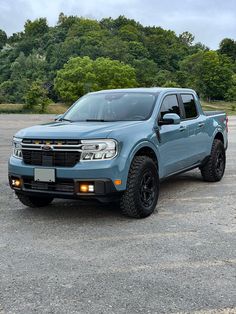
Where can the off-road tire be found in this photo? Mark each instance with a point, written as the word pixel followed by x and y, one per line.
pixel 34 201
pixel 214 169
pixel 131 201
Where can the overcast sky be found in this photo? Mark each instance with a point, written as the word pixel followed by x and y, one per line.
pixel 209 20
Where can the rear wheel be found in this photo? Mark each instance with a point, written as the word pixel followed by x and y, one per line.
pixel 34 201
pixel 214 169
pixel 141 196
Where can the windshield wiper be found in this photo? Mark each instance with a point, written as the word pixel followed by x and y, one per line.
pixel 64 119
pixel 99 120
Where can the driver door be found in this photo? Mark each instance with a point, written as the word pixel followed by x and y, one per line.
pixel 172 138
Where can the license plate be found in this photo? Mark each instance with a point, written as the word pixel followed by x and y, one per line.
pixel 44 175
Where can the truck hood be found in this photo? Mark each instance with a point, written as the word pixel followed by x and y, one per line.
pixel 75 130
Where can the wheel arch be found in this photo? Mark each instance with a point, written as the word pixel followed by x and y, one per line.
pixel 219 136
pixel 131 201
pixel 145 149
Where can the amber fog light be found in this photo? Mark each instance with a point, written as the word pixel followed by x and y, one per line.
pixel 86 187
pixel 16 183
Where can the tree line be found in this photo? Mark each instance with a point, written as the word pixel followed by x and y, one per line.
pixel 78 55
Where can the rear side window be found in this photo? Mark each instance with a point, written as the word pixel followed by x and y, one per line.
pixel 170 105
pixel 189 106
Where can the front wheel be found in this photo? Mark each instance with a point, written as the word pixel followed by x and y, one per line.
pixel 141 196
pixel 214 169
pixel 34 201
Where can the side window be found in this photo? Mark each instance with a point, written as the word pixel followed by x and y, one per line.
pixel 189 106
pixel 170 105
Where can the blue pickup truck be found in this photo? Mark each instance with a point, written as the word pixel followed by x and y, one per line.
pixel 118 145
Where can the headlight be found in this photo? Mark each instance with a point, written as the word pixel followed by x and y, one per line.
pixel 17 150
pixel 98 149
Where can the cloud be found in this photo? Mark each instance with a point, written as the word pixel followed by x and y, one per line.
pixel 210 21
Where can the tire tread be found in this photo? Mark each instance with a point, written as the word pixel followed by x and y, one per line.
pixel 127 202
pixel 208 170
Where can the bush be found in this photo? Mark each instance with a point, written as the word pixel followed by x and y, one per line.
pixel 37 97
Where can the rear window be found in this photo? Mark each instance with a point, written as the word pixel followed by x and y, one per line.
pixel 189 106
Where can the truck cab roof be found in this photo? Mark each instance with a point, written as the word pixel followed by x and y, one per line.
pixel 155 90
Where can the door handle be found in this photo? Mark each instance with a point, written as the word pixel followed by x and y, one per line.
pixel 182 128
pixel 201 124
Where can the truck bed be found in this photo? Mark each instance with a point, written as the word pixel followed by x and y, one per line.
pixel 210 113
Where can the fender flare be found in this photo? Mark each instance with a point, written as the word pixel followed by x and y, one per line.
pixel 138 146
pixel 218 130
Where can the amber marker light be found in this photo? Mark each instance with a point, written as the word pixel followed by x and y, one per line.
pixel 118 182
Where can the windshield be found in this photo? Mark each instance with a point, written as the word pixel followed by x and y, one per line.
pixel 112 107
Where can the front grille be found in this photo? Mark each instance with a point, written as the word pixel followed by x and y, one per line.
pixel 48 141
pixel 58 153
pixel 60 186
pixel 50 158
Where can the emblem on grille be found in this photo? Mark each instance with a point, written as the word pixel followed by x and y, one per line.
pixel 46 147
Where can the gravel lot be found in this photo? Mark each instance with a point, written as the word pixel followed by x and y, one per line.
pixel 83 257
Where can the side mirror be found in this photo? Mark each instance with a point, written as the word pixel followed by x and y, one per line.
pixel 58 117
pixel 169 118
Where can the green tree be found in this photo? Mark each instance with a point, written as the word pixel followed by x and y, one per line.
pixel 137 50
pixel 146 71
pixel 209 73
pixel 158 56
pixel 171 84
pixel 3 38
pixel 231 93
pixel 114 25
pixel 186 38
pixel 18 67
pixel 162 77
pixel 128 33
pixel 228 47
pixel 181 77
pixel 33 36
pixel 82 75
pixel 92 44
pixel 58 54
pixel 36 28
pixel 13 91
pixel 83 26
pixel 7 56
pixel 22 72
pixel 117 49
pixel 37 96
pixel 66 22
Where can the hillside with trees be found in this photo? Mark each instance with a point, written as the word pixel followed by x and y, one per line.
pixel 78 55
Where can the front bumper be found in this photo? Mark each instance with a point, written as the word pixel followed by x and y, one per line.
pixel 101 173
pixel 103 188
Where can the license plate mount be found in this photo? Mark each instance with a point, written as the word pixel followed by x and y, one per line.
pixel 44 175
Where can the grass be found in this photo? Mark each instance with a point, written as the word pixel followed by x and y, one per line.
pixel 58 108
pixel 228 107
pixel 18 108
